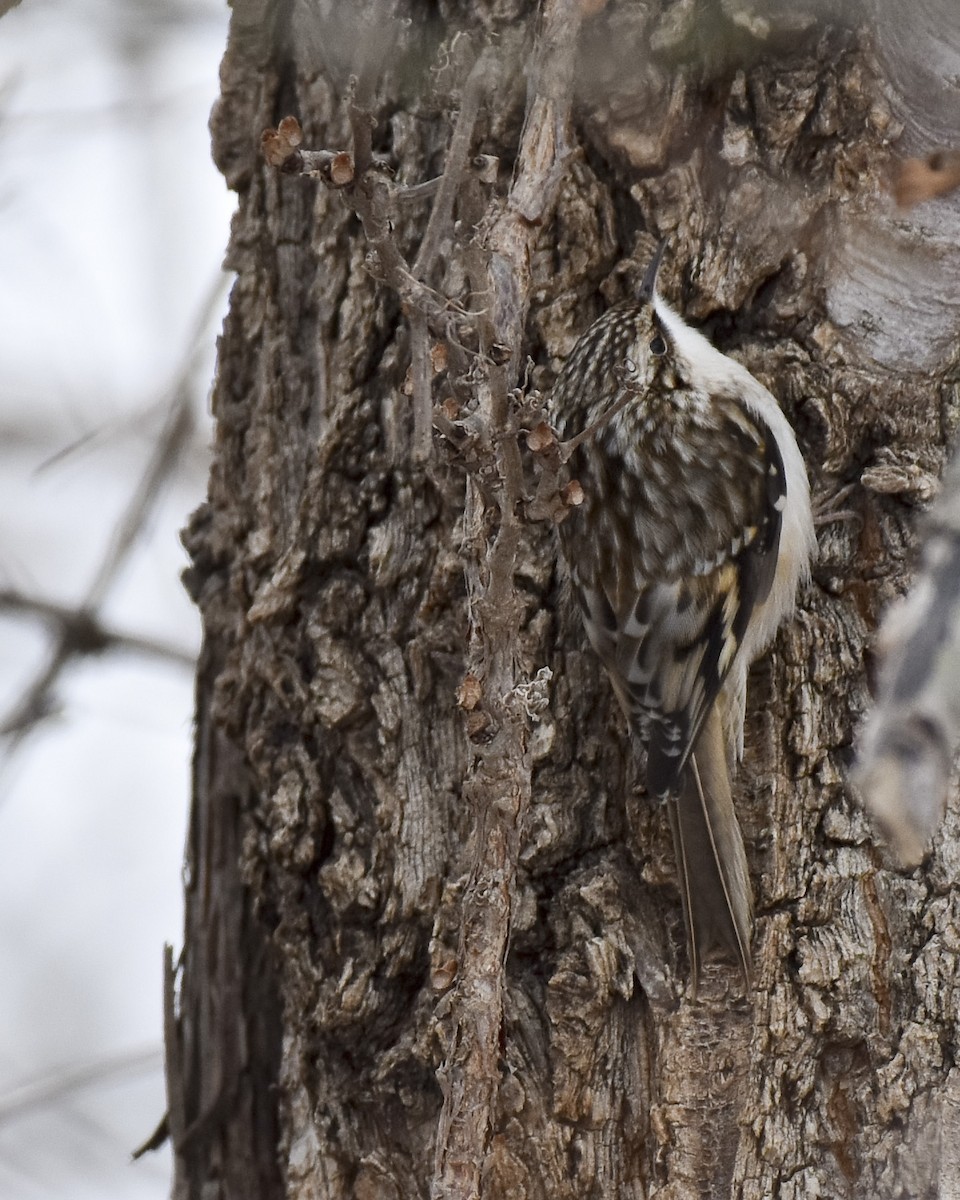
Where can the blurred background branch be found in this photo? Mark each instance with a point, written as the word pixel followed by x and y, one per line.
pixel 114 224
pixel 79 631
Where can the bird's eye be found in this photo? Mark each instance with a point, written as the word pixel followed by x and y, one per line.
pixel 658 346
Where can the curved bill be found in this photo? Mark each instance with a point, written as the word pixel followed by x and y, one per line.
pixel 649 285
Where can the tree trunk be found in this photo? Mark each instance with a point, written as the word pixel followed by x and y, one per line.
pixel 433 943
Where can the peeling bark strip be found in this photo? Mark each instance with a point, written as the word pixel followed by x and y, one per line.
pixel 222 1124
pixel 433 944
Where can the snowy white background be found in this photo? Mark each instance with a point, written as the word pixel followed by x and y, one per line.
pixel 113 223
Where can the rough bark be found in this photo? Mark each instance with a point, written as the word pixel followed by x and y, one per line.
pixel 433 945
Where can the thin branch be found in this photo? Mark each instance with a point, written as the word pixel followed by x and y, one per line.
pixel 567 448
pixel 35 704
pixel 84 634
pixel 361 129
pixel 81 634
pixel 65 452
pixel 373 199
pixel 174 435
pixel 377 41
pixel 173 1055
pixel 56 1085
pixel 422 391
pixel 418 191
pixel 441 215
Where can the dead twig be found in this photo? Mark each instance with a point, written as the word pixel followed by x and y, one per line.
pixel 441 215
pixel 499 786
pixel 373 198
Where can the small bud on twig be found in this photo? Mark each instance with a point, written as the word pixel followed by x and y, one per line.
pixel 469 693
pixel 438 357
pixel 572 494
pixel 341 170
pixel 541 438
pixel 278 145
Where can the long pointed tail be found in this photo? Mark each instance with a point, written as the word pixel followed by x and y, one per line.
pixel 711 862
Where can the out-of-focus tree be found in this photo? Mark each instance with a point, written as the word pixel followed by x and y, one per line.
pixel 113 223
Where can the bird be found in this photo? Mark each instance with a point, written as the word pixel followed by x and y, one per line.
pixel 694 533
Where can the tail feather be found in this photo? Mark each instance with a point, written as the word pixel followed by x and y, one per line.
pixel 712 867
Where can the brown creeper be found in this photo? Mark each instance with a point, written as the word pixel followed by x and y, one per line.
pixel 685 557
